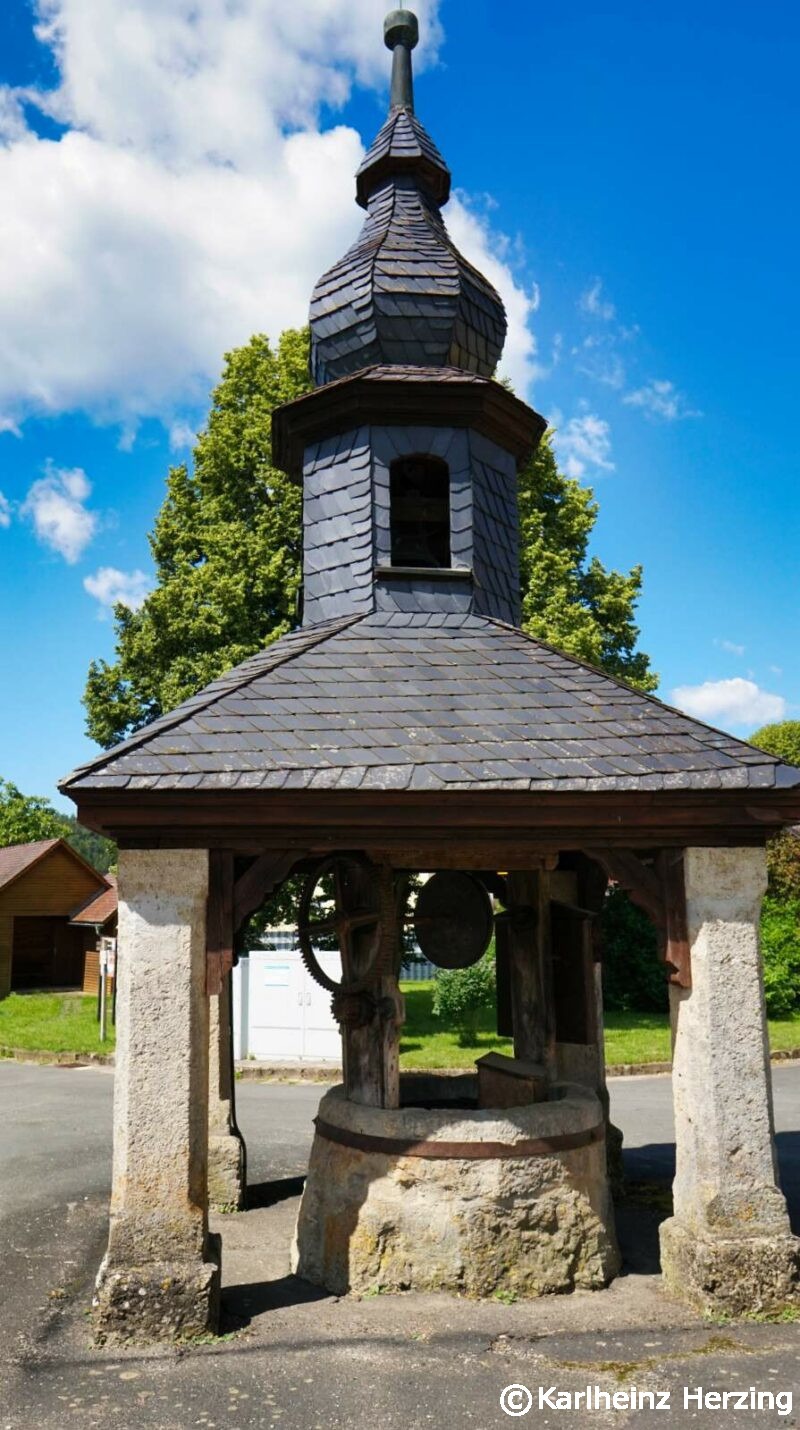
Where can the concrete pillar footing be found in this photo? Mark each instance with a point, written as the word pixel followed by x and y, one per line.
pixel 730 1275
pixel 226 1176
pixel 168 1301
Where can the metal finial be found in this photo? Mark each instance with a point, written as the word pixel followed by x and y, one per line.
pixel 401 33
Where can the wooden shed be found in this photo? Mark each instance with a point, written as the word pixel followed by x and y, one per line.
pixel 42 885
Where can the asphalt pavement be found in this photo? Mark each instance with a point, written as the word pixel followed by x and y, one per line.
pixel 298 1359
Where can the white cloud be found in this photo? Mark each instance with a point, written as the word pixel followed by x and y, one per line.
pixel 734 702
pixel 776 669
pixel 5 512
pixel 491 252
pixel 193 199
pixel 585 442
pixel 55 507
pixel 731 647
pixel 181 436
pixel 112 587
pixel 661 398
pixel 595 305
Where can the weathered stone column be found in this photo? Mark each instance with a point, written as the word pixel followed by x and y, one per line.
pixel 226 1152
pixel 160 1277
pixel 728 1246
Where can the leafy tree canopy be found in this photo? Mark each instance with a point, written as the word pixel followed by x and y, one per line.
pixel 26 818
pixel 227 547
pixel 781 740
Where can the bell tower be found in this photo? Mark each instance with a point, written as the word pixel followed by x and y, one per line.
pixel 408 449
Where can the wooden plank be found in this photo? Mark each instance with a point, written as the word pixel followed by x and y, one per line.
pixel 678 956
pixel 574 995
pixel 528 925
pixel 344 819
pixel 219 920
pixel 371 1053
pixel 6 953
pixel 505 1013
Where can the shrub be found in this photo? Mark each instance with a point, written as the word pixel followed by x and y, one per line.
pixel 461 995
pixel 780 942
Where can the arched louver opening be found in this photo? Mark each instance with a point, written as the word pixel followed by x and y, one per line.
pixel 420 513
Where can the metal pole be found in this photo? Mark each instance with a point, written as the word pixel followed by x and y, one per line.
pixel 103 967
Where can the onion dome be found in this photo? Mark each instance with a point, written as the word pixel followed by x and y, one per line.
pixel 403 294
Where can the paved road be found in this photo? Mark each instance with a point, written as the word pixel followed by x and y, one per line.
pixel 55 1130
pixel 306 1360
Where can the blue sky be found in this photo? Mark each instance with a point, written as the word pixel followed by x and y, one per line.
pixel 624 172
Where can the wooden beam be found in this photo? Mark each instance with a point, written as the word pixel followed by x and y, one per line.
pixel 262 879
pixel 660 892
pixel 219 920
pixel 528 924
pixel 636 878
pixel 678 948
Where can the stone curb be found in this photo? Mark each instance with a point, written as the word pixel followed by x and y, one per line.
pixel 56 1060
pixel 300 1073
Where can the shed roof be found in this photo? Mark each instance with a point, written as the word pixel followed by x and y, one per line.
pixel 426 702
pixel 100 907
pixel 16 859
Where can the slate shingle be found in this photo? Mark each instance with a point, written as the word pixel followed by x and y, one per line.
pixel 462 703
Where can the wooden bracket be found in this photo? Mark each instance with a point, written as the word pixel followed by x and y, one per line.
pixel 659 890
pixel 260 880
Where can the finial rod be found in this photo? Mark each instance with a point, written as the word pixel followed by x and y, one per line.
pixel 401 33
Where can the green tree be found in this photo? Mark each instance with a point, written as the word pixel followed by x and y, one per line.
pixel 568 600
pixel 26 818
pixel 227 547
pixel 781 740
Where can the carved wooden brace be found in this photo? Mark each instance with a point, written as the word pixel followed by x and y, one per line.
pixel 262 879
pixel 661 893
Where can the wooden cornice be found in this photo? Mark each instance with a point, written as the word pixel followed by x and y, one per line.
pixel 366 399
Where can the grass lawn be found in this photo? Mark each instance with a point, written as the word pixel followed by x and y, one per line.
pixel 65 1023
pixel 630 1037
pixel 52 1022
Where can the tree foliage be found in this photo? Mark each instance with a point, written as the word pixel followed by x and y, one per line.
pixel 634 979
pixel 569 600
pixel 26 818
pixel 780 945
pixel 227 547
pixel 781 740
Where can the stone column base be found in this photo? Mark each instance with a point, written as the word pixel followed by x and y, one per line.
pixel 169 1301
pixel 734 1275
pixel 226 1180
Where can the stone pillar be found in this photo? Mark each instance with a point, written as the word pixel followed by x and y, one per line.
pixel 6 953
pixel 728 1246
pixel 160 1277
pixel 226 1151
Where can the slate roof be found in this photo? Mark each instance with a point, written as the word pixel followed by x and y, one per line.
pixel 403 146
pixel 395 702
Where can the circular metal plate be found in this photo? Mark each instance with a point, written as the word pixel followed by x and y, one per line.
pixel 453 920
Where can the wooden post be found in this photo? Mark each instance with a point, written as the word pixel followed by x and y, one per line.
pixel 531 971
pixel 6 953
pixel 371 1043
